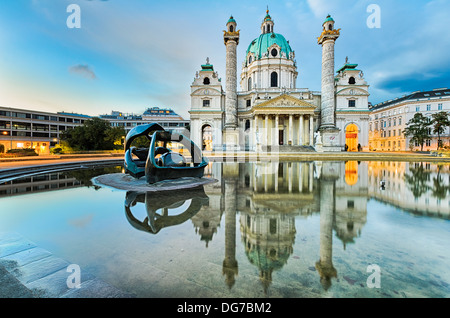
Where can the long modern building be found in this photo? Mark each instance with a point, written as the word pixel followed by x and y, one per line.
pixel 21 128
pixel 388 120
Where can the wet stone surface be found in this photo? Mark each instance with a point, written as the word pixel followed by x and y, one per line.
pixel 28 271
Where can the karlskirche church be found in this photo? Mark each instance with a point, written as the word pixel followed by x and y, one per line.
pixel 269 113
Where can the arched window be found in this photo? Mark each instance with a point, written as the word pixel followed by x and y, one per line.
pixel 330 27
pixel 206 81
pixel 352 80
pixel 231 28
pixel 250 60
pixel 247 124
pixel 274 52
pixel 274 79
pixel 249 84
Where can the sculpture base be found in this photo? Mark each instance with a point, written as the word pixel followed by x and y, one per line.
pixel 330 140
pixel 123 181
pixel 231 139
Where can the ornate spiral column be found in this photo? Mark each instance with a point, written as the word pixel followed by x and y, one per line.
pixel 231 129
pixel 328 129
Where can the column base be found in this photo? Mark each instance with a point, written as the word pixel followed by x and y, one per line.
pixel 230 139
pixel 330 140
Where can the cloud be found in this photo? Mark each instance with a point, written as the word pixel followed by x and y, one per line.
pixel 83 70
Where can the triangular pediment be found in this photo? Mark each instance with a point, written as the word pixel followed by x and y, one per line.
pixel 285 101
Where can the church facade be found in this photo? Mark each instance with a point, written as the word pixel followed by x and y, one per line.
pixel 269 113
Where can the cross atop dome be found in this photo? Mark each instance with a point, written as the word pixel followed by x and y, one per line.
pixel 267 24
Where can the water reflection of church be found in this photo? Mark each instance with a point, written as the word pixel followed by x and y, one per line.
pixel 266 198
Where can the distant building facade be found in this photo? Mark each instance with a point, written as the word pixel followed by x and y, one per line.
pixel 390 118
pixel 166 117
pixel 22 128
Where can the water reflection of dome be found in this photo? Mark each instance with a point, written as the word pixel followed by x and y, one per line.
pixel 268 242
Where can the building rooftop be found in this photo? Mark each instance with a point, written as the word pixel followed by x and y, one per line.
pixel 414 96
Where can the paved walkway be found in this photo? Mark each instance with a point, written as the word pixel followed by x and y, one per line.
pixel 28 271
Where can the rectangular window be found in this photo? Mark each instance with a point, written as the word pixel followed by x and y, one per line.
pixel 351 103
pixel 428 107
pixel 399 132
pixel 417 108
pixel 4 113
pixel 206 103
pixel 21 115
pixel 389 133
pixel 428 142
pixel 393 133
pixel 439 106
pixel 40 117
pixel 399 120
pixel 249 102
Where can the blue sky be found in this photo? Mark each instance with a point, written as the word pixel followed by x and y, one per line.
pixel 132 54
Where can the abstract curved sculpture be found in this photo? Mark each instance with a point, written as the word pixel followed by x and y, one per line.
pixel 158 162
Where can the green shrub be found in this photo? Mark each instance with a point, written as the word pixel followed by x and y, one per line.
pixel 25 152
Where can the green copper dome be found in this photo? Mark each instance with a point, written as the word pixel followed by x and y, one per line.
pixel 231 20
pixel 260 45
pixel 329 18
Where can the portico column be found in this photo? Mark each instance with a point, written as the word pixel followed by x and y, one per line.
pixel 311 130
pixel 255 131
pixel 277 134
pixel 291 130
pixel 267 130
pixel 300 131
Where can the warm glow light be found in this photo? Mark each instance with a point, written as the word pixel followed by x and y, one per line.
pixel 5 133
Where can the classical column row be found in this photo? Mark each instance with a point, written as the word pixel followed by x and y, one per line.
pixel 294 177
pixel 266 133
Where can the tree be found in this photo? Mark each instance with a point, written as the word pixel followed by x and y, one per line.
pixel 418 129
pixel 440 122
pixel 94 134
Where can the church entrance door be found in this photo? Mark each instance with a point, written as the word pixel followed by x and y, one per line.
pixel 351 137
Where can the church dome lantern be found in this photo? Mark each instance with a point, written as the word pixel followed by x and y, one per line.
pixel 269 43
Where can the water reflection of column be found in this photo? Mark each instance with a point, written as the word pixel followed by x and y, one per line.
pixel 325 266
pixel 300 177
pixel 311 177
pixel 291 176
pixel 230 265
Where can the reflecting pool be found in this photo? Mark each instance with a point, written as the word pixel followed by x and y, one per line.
pixel 264 229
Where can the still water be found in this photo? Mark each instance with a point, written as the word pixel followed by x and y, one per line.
pixel 276 229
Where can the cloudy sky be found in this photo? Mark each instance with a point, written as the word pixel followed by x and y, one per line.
pixel 129 55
